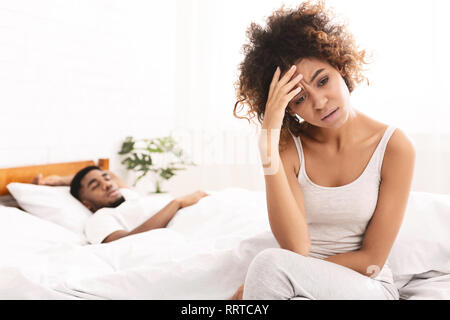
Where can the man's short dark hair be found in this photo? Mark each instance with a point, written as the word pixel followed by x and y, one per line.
pixel 75 185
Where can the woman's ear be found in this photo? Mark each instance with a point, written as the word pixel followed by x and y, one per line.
pixel 293 114
pixel 290 112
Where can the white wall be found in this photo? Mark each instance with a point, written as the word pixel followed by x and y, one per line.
pixel 77 77
pixel 408 77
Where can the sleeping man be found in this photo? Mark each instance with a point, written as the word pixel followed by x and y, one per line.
pixel 117 210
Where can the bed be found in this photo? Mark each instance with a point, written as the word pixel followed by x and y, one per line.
pixel 206 247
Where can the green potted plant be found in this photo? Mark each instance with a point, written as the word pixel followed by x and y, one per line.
pixel 162 157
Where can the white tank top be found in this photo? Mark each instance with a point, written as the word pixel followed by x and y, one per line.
pixel 337 217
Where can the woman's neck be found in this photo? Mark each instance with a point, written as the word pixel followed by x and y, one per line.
pixel 339 138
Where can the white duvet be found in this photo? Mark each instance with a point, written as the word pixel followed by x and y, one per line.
pixel 203 254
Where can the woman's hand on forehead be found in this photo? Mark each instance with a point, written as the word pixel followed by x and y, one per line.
pixel 282 90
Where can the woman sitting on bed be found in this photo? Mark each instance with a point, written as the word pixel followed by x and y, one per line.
pixel 337 181
pixel 118 210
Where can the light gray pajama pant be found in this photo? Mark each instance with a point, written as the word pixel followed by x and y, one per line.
pixel 281 274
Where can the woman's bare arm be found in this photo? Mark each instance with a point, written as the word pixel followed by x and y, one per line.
pixel 285 206
pixel 283 194
pixel 382 230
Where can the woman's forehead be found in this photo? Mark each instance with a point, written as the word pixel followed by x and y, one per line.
pixel 310 65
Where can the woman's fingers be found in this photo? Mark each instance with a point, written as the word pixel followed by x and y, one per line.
pixel 287 76
pixel 283 90
pixel 292 94
pixel 292 83
pixel 287 82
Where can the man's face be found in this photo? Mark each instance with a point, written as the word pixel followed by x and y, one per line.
pixel 98 190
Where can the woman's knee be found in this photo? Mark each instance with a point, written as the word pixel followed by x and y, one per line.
pixel 267 258
pixel 268 263
pixel 266 275
pixel 260 274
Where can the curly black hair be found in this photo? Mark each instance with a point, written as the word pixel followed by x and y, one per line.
pixel 290 35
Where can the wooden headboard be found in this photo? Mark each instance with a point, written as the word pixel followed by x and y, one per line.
pixel 26 174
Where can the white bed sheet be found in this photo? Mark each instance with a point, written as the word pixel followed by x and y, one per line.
pixel 203 254
pixel 432 285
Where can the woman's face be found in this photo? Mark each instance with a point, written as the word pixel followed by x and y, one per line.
pixel 325 99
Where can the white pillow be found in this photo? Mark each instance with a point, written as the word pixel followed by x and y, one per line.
pixel 54 204
pixel 423 242
pixel 22 233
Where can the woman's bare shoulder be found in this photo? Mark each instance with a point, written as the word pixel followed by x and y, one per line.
pixel 371 130
pixel 398 139
pixel 400 152
pixel 400 142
